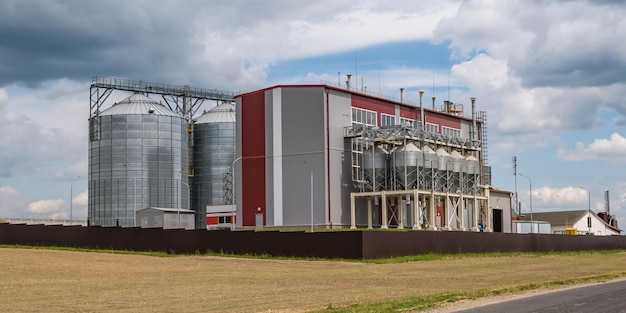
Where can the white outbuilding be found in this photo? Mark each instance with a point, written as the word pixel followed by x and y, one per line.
pixel 166 218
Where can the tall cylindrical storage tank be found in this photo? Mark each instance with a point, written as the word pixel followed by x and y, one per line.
pixel 472 171
pixel 137 159
pixel 431 165
pixel 213 155
pixel 456 178
pixel 444 167
pixel 375 168
pixel 407 159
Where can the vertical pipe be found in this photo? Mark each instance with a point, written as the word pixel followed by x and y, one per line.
pixel 402 95
pixel 473 118
pixel 433 103
pixel 422 108
pixel 352 212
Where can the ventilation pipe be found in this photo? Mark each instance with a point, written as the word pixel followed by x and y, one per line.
pixel 401 94
pixel 474 130
pixel 433 103
pixel 348 81
pixel 422 108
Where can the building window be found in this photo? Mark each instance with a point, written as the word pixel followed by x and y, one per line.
pixel 451 132
pixel 387 120
pixel 432 128
pixel 405 122
pixel 224 219
pixel 363 118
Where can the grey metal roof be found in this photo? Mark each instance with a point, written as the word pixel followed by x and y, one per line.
pixel 560 218
pixel 138 104
pixel 223 113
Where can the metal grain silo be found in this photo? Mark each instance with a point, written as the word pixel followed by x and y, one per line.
pixel 213 155
pixel 444 167
pixel 472 172
pixel 375 168
pixel 430 169
pixel 407 159
pixel 455 178
pixel 137 159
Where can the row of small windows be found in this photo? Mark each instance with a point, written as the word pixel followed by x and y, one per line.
pixel 363 117
pixel 450 132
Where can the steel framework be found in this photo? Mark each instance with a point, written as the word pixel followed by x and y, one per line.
pixel 410 196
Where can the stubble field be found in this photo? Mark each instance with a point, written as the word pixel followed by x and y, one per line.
pixel 43 280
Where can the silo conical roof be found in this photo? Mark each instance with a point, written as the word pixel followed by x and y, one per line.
pixel 138 104
pixel 223 113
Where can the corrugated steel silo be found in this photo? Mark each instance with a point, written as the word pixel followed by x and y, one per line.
pixel 407 159
pixel 213 155
pixel 137 159
pixel 375 168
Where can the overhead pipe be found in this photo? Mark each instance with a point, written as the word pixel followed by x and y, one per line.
pixel 422 108
pixel 474 130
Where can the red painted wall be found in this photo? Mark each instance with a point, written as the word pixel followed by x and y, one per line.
pixel 379 106
pixel 253 156
pixel 443 120
pixel 410 113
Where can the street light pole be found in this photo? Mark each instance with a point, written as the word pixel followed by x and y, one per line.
pixel 232 218
pixel 311 170
pixel 530 184
pixel 588 207
pixel 71 196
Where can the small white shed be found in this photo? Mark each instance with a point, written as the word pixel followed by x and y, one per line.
pixel 166 218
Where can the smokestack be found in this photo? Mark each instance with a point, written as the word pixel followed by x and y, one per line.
pixel 474 129
pixel 433 103
pixel 348 81
pixel 422 107
pixel 401 94
pixel 606 198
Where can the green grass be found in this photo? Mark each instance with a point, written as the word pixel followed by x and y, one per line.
pixel 435 301
pixel 399 259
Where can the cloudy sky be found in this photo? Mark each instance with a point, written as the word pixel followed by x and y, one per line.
pixel 550 74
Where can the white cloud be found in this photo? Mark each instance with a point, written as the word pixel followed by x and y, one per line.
pixel 81 198
pixel 560 197
pixel 612 150
pixel 52 208
pixel 11 201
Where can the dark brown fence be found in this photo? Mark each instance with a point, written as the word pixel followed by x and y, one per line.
pixel 341 244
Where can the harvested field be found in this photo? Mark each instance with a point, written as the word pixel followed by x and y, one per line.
pixel 39 280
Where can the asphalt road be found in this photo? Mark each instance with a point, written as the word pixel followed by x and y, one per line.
pixel 607 297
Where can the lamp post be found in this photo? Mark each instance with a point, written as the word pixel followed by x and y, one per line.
pixel 72 195
pixel 311 170
pixel 530 184
pixel 588 208
pixel 232 218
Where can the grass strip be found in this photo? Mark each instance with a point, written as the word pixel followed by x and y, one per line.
pixel 430 302
pixel 401 259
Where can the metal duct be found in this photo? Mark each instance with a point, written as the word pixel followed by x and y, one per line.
pixel 474 129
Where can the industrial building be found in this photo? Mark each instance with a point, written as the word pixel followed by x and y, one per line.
pixel 323 156
pixel 334 156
